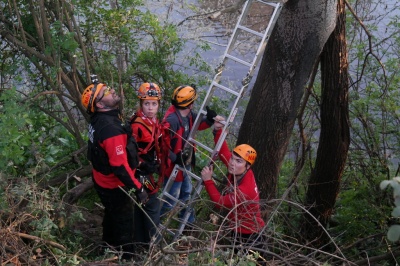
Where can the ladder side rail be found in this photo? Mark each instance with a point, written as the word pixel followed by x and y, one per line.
pixel 201 112
pixel 217 77
pixel 189 207
pixel 263 43
pixel 251 66
pixel 241 18
pixel 168 185
pixel 171 180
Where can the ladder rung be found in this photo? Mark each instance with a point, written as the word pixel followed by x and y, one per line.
pixel 225 88
pixel 272 3
pixel 194 176
pixel 176 201
pixel 161 228
pixel 238 60
pixel 200 144
pixel 259 34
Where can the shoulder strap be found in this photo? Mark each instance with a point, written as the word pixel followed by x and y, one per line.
pixel 138 120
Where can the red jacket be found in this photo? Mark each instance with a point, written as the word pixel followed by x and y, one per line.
pixel 147 133
pixel 172 133
pixel 242 200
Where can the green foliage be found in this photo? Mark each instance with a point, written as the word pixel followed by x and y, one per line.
pixel 393 233
pixel 31 141
pixel 357 214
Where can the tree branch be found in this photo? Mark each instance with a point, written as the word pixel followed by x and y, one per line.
pixel 371 51
pixel 35 238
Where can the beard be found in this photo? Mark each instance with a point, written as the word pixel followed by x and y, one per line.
pixel 112 103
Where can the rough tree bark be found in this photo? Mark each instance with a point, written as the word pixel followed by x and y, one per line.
pixel 295 44
pixel 334 139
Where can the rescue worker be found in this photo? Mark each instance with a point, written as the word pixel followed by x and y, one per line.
pixel 113 154
pixel 146 130
pixel 240 195
pixel 178 121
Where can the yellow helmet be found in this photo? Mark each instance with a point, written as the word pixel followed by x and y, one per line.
pixel 246 152
pixel 149 91
pixel 183 96
pixel 89 95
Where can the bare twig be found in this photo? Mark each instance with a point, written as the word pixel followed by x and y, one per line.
pixel 35 238
pixel 371 51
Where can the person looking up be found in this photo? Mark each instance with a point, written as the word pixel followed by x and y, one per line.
pixel 240 195
pixel 113 154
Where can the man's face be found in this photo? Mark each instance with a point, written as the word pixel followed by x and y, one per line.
pixel 107 98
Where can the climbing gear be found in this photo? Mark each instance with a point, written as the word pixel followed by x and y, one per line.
pixel 149 91
pixel 90 93
pixel 246 152
pixel 183 96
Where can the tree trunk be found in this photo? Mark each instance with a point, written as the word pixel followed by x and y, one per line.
pixel 334 140
pixel 295 44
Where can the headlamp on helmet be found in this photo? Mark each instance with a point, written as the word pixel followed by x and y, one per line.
pixel 149 91
pixel 89 95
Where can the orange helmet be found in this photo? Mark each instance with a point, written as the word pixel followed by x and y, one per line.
pixel 89 95
pixel 246 152
pixel 184 96
pixel 149 91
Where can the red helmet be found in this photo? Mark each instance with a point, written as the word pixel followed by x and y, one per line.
pixel 246 152
pixel 149 91
pixel 89 96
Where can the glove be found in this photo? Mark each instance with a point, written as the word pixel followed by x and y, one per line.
pixel 148 168
pixel 141 195
pixel 181 158
pixel 210 114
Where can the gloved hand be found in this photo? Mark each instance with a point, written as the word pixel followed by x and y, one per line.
pixel 141 195
pixel 181 158
pixel 148 168
pixel 210 114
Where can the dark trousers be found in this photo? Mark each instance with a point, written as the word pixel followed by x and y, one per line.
pixel 245 242
pixel 146 221
pixel 118 219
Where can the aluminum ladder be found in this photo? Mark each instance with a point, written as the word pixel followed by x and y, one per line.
pixel 245 34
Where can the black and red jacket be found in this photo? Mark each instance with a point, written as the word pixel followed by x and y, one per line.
pixel 173 128
pixel 112 151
